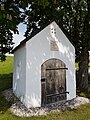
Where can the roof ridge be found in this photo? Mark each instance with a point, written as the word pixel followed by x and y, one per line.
pixel 38 30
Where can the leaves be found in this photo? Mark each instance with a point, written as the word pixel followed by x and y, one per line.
pixel 9 19
pixel 71 15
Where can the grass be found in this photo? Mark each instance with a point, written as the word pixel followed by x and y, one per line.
pixel 6 68
pixel 82 113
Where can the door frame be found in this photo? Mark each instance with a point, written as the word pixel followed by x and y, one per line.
pixel 43 83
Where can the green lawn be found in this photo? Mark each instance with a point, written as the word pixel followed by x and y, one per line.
pixel 6 68
pixel 82 113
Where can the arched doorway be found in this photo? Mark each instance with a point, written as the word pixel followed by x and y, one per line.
pixel 53 81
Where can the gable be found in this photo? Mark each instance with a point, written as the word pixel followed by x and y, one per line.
pixel 63 31
pixel 50 39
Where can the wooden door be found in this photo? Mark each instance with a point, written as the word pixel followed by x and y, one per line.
pixel 53 81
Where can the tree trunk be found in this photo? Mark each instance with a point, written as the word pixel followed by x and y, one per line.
pixel 82 82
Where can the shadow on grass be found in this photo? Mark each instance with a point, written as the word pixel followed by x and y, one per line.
pixel 4 104
pixel 5 83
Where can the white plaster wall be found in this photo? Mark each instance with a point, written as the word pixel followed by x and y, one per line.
pixel 37 52
pixel 19 74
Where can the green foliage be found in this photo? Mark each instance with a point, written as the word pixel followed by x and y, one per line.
pixel 11 14
pixel 40 13
pixel 10 17
pixel 74 16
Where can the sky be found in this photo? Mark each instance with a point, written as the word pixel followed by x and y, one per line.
pixel 18 38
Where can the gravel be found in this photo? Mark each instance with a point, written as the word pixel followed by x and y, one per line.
pixel 17 108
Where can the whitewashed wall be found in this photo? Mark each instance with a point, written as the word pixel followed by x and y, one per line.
pixel 37 52
pixel 19 74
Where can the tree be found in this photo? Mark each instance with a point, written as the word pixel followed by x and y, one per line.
pixel 72 15
pixel 82 38
pixel 78 25
pixel 75 19
pixel 84 58
pixel 8 22
pixel 11 14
